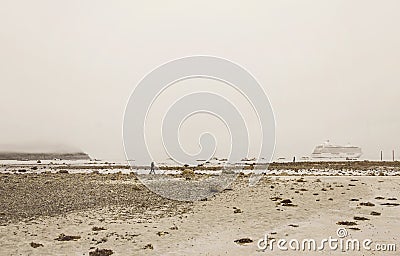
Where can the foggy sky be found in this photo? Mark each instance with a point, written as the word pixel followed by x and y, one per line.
pixel 329 68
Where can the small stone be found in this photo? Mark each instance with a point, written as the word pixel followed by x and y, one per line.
pixel 360 218
pixel 148 246
pixel 346 223
pixel 174 227
pixel 367 204
pixel 237 211
pixel 98 228
pixel 275 198
pixel 63 237
pixel 286 201
pixel 101 252
pixel 390 204
pixel 162 233
pixel 35 245
pixel 243 241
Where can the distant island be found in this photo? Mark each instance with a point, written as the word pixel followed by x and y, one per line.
pixel 24 156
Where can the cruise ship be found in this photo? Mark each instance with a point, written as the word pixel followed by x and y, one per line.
pixel 328 151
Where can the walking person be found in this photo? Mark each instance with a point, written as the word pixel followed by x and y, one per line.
pixel 152 171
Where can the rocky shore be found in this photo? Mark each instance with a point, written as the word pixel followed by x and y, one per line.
pixel 28 196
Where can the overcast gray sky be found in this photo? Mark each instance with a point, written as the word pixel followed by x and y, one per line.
pixel 330 68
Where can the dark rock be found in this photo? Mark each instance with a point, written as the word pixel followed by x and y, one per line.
pixel 286 201
pixel 237 211
pixel 346 223
pixel 243 241
pixel 360 218
pixel 162 233
pixel 98 228
pixel 103 240
pixel 101 252
pixel 289 204
pixel 63 237
pixel 367 204
pixel 148 246
pixel 390 204
pixel 35 245
pixel 174 227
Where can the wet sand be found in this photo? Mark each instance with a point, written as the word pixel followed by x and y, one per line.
pixel 77 214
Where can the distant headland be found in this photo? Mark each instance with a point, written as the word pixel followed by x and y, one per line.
pixel 27 156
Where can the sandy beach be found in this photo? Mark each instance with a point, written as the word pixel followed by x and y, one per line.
pixel 100 214
pixel 182 128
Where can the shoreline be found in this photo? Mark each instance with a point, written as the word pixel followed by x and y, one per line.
pixel 367 168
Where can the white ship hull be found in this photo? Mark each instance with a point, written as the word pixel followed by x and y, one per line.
pixel 328 151
pixel 337 156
